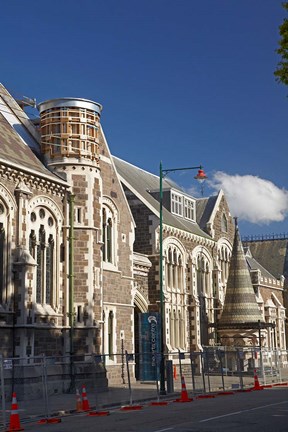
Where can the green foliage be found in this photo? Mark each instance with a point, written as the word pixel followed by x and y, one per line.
pixel 281 72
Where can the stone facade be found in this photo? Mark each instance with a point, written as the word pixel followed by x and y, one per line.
pixel 79 245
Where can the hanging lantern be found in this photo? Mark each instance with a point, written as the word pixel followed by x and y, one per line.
pixel 201 176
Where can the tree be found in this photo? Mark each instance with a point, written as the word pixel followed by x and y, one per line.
pixel 281 72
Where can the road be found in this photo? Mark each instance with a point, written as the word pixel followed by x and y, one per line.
pixel 259 410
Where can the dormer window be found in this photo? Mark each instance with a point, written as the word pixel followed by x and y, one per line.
pixel 189 209
pixel 177 204
pixel 182 206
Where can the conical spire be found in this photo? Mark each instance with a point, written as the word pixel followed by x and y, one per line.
pixel 240 307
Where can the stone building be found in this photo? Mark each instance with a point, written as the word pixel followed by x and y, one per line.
pixel 271 252
pixel 67 235
pixel 197 243
pixel 79 244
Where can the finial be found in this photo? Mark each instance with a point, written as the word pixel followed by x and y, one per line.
pixel 236 221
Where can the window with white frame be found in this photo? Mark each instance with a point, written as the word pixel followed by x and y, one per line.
pixel 109 333
pixel 176 203
pixel 109 233
pixel 189 209
pixel 224 257
pixel 42 248
pixel 205 297
pixel 174 271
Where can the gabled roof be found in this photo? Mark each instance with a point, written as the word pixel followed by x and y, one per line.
pixel 253 264
pixel 272 254
pixel 141 183
pixel 18 146
pixel 204 209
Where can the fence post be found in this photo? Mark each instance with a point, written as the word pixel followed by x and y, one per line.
pixel 239 369
pixel 220 354
pixel 203 371
pixel 44 383
pixel 2 392
pixel 192 363
pixel 128 375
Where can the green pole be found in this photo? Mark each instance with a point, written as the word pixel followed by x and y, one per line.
pixel 162 361
pixel 71 286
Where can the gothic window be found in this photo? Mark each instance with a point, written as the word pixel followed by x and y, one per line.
pixel 49 269
pixel 109 226
pixel 224 256
pixel 42 248
pixel 109 329
pixel 224 223
pixel 2 247
pixel 205 298
pixel 3 241
pixel 174 270
pixel 40 265
pixel 110 334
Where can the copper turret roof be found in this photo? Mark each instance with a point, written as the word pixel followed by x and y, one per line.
pixel 240 307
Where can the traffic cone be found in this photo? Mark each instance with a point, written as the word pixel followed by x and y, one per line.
pixel 14 424
pixel 184 394
pixel 78 401
pixel 85 402
pixel 175 373
pixel 257 386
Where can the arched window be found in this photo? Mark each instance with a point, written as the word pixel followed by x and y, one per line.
pixel 176 305
pixel 42 248
pixel 2 247
pixel 3 240
pixel 109 233
pixel 109 334
pixel 224 223
pixel 224 256
pixel 204 292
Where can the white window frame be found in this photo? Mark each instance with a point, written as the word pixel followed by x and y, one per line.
pixel 189 209
pixel 176 203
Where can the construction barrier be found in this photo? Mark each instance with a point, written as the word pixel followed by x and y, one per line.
pixel 14 423
pixel 184 394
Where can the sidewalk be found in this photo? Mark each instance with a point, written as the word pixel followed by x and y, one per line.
pixel 116 396
pixel 59 405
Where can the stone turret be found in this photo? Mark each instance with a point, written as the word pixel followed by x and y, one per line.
pixel 70 128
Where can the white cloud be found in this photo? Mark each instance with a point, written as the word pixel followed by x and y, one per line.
pixel 251 198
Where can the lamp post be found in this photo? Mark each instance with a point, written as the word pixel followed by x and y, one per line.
pixel 201 176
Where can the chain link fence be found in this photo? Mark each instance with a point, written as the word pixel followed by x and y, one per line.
pixel 46 386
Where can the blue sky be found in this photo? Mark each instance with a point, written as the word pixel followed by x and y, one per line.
pixel 188 82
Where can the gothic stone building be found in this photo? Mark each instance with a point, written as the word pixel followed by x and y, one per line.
pixel 79 242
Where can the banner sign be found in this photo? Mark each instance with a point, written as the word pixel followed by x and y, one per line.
pixel 149 343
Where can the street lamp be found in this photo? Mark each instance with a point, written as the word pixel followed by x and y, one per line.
pixel 201 176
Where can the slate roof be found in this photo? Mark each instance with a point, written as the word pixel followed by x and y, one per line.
pixel 204 208
pixel 140 182
pixel 253 264
pixel 272 254
pixel 14 148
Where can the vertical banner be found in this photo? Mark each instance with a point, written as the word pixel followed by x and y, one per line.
pixel 149 338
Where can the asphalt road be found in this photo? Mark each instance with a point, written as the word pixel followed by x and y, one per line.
pixel 265 410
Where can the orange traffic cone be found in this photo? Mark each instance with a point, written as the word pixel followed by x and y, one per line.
pixel 85 402
pixel 184 394
pixel 14 424
pixel 257 386
pixel 78 401
pixel 175 373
